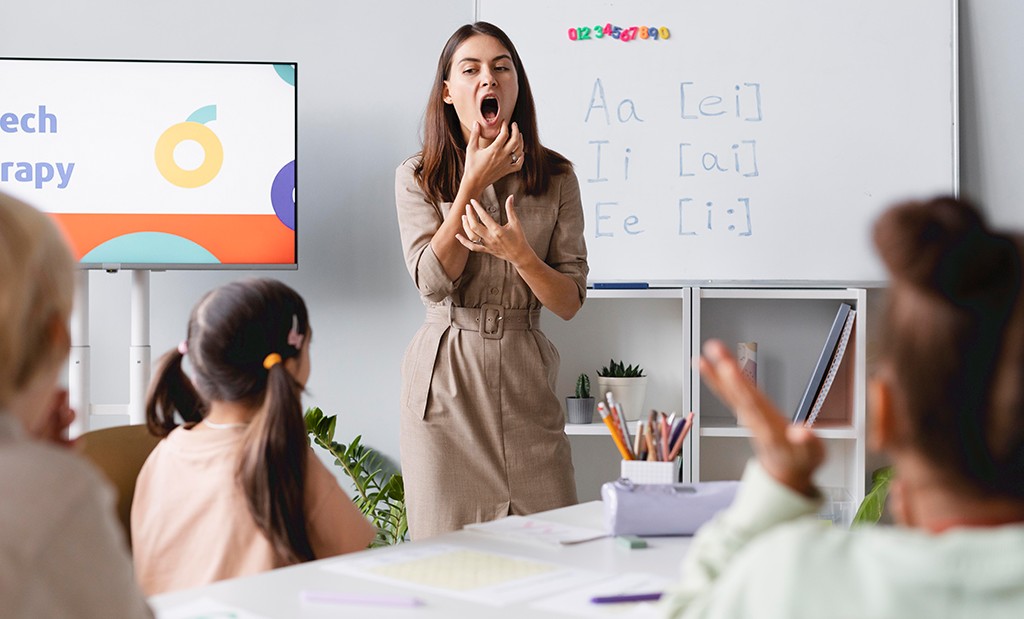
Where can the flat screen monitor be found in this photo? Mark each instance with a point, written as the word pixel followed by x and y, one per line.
pixel 156 164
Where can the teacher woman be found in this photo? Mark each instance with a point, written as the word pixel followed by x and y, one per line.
pixel 492 229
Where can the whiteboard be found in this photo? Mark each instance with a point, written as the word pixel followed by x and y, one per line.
pixel 757 142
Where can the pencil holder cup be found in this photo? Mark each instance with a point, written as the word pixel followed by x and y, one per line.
pixel 643 472
pixel 579 410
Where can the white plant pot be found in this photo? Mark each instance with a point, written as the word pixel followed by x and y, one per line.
pixel 628 393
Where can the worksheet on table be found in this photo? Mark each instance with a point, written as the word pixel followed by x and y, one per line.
pixel 483 577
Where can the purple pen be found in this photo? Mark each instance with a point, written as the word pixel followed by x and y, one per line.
pixel 626 597
pixel 339 597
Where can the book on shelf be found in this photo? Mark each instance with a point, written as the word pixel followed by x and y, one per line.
pixel 821 367
pixel 833 369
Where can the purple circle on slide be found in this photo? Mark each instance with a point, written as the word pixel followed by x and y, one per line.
pixel 281 194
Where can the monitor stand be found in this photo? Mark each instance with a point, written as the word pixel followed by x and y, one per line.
pixel 79 370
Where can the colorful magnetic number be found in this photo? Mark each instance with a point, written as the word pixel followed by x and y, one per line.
pixel 585 33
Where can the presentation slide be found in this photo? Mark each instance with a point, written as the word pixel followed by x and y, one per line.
pixel 152 164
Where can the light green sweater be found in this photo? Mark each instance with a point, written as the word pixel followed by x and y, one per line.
pixel 763 558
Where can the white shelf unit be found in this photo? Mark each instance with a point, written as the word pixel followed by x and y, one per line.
pixel 790 326
pixel 650 327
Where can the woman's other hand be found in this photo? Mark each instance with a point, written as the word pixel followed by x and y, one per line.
pixel 484 235
pixel 787 452
pixel 503 156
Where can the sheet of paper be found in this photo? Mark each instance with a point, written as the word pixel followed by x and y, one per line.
pixel 577 600
pixel 206 608
pixel 483 577
pixel 536 530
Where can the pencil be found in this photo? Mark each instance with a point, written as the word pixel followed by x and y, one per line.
pixel 677 429
pixel 620 417
pixel 652 431
pixel 664 438
pixel 619 425
pixel 643 442
pixel 620 420
pixel 637 440
pixel 678 446
pixel 606 418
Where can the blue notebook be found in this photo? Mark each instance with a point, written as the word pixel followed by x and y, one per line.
pixel 814 384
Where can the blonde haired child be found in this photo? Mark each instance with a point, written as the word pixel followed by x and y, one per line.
pixel 237 489
pixel 62 552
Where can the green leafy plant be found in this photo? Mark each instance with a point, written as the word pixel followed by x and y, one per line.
pixel 379 495
pixel 617 369
pixel 873 505
pixel 583 386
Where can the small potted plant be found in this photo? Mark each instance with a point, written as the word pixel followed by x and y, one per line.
pixel 580 409
pixel 627 384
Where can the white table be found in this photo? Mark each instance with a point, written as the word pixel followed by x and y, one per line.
pixel 276 594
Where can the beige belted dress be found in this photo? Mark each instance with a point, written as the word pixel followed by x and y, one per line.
pixel 482 430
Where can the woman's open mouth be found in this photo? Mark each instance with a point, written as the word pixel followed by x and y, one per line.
pixel 489 108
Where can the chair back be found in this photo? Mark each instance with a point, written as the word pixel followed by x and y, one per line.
pixel 119 452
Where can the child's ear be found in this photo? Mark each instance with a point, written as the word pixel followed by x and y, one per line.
pixel 58 339
pixel 60 333
pixel 294 367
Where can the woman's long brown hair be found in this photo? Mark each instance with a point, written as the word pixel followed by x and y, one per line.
pixel 444 148
pixel 230 333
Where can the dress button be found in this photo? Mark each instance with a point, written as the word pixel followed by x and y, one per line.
pixel 494 291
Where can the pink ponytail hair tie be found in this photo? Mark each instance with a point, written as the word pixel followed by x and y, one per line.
pixel 183 347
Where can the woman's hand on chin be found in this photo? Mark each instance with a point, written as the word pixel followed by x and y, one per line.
pixel 503 156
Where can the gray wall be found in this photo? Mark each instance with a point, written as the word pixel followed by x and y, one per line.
pixel 365 69
pixel 991 99
pixel 364 72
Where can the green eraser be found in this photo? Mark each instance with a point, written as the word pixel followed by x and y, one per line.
pixel 631 541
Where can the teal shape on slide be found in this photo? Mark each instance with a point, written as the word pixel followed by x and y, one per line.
pixel 203 115
pixel 150 248
pixel 287 72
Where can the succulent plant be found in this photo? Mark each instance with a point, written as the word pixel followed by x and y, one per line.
pixel 617 369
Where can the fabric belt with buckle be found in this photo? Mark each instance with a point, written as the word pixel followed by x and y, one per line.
pixel 489 320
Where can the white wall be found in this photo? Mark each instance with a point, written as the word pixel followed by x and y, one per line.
pixel 991 100
pixel 364 72
pixel 365 69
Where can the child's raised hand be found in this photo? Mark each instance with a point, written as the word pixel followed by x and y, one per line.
pixel 788 453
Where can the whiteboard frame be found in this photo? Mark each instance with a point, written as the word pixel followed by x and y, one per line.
pixel 954 8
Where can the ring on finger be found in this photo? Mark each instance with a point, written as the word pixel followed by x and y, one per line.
pixel 515 158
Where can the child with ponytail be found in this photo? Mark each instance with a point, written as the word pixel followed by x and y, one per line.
pixel 236 489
